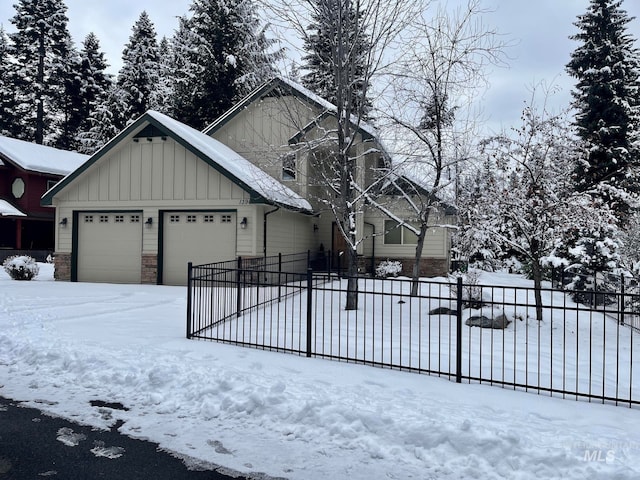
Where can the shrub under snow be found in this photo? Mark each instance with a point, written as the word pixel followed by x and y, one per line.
pixel 21 267
pixel 388 268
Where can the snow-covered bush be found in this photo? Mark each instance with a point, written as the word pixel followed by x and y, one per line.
pixel 388 268
pixel 472 294
pixel 21 267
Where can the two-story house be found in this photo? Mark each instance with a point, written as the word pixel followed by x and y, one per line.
pixel 27 171
pixel 161 194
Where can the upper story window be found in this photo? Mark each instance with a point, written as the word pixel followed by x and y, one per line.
pixel 289 167
pixel 51 184
pixel 17 188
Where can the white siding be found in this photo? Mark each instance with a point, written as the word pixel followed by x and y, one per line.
pixel 151 176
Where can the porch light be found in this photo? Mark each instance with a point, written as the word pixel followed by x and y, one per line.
pixel 63 222
pixel 315 227
pixel 243 223
pixel 149 221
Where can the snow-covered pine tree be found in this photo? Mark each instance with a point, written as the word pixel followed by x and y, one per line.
pixel 69 118
pixel 605 64
pixel 95 81
pixel 319 45
pixel 40 46
pixel 138 78
pixel 224 54
pixel 7 92
pixel 184 78
pixel 107 120
pixel 161 96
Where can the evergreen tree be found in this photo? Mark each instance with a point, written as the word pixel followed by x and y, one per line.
pixel 69 118
pixel 321 52
pixel 138 77
pixel 107 120
pixel 224 54
pixel 184 79
pixel 40 46
pixel 605 65
pixel 96 82
pixel 7 119
pixel 161 97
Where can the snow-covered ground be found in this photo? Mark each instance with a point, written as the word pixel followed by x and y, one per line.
pixel 64 344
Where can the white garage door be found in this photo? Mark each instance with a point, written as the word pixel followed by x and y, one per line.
pixel 109 247
pixel 197 237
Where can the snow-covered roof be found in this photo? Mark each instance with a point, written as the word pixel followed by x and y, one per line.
pixel 39 158
pixel 8 210
pixel 230 163
pixel 234 163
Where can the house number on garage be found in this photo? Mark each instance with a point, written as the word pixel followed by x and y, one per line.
pixel 244 201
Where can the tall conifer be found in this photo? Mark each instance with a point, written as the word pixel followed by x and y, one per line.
pixel 605 64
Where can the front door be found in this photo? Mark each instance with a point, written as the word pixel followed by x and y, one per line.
pixel 338 249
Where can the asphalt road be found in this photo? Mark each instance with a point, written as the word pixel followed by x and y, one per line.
pixel 37 446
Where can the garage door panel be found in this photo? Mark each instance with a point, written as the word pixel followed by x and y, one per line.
pixel 197 237
pixel 109 247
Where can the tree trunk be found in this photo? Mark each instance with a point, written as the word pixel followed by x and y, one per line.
pixel 352 279
pixel 415 274
pixel 537 287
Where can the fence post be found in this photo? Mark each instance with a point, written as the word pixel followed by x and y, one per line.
pixel 238 290
pixel 279 276
pixel 309 305
pixel 621 299
pixel 459 331
pixel 189 298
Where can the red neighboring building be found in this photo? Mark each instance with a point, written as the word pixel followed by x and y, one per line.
pixel 27 171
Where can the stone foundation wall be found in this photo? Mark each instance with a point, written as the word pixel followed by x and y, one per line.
pixel 429 267
pixel 149 269
pixel 62 266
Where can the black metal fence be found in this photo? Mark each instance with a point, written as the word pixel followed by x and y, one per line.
pixel 573 351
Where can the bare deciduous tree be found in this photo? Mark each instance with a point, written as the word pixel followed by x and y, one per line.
pixel 343 170
pixel 431 94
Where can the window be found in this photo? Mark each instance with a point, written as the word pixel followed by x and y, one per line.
pixel 396 235
pixel 191 219
pixel 174 218
pixel 225 219
pixel 104 218
pixel 208 219
pixel 135 218
pixel 289 167
pixel 88 219
pixel 119 218
pixel 51 184
pixel 17 188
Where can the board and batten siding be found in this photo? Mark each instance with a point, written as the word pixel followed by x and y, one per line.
pixel 150 176
pixel 437 240
pixel 261 134
pixel 290 232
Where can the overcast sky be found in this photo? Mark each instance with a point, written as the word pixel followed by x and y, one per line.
pixel 539 29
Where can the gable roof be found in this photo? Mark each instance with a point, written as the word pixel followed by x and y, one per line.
pixel 282 86
pixel 8 210
pixel 398 184
pixel 261 187
pixel 33 157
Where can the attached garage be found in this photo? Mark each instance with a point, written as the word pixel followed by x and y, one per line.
pixel 109 247
pixel 198 237
pixel 161 195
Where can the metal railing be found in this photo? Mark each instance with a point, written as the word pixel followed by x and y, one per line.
pixel 574 351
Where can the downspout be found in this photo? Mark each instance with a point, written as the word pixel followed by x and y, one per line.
pixel 264 232
pixel 373 248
